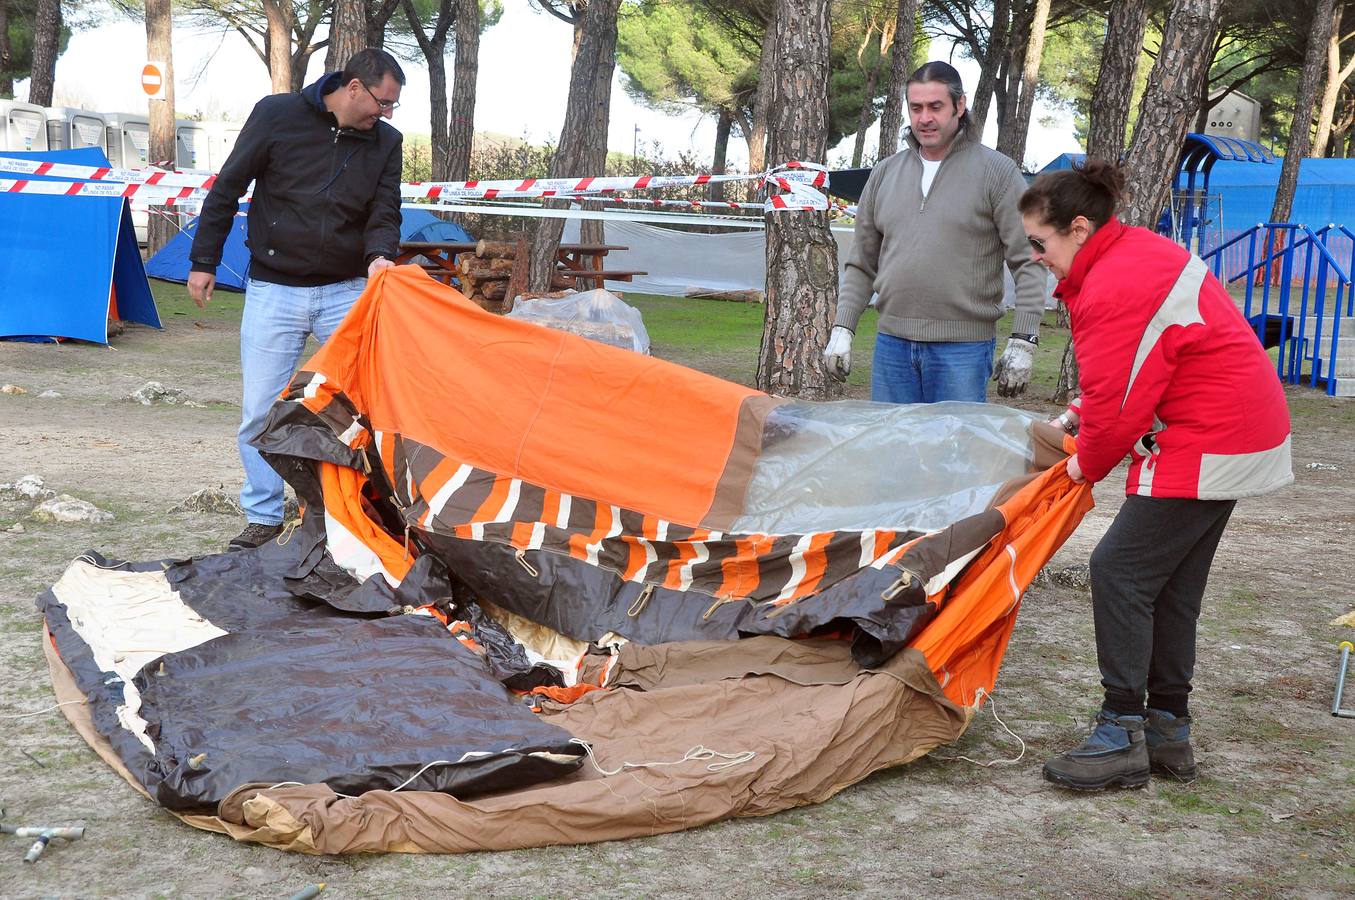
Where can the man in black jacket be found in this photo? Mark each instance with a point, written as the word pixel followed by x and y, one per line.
pixel 324 216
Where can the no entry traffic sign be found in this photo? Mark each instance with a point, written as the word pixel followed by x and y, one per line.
pixel 153 80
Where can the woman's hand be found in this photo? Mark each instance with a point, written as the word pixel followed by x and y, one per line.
pixel 1075 470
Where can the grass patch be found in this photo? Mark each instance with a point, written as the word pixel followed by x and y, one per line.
pixel 172 300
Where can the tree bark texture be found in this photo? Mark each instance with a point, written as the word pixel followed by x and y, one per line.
pixel 991 61
pixel 347 32
pixel 583 139
pixel 1017 127
pixel 723 125
pixel 900 66
pixel 766 78
pixel 465 80
pixel 1300 133
pixel 1337 75
pixel 6 54
pixel 162 223
pixel 1115 81
pixel 801 294
pixel 1169 104
pixel 379 13
pixel 279 44
pixel 46 39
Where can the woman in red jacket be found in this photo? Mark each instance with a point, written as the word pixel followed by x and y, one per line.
pixel 1173 377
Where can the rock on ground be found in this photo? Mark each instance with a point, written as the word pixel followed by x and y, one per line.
pixel 29 487
pixel 65 510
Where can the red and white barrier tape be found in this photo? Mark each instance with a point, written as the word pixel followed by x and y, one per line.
pixel 802 184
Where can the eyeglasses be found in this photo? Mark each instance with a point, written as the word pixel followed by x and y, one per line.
pixel 1036 244
pixel 386 105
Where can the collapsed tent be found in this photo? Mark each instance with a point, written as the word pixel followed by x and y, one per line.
pixel 172 262
pixel 551 591
pixel 70 263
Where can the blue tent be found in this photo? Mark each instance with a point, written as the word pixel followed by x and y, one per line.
pixel 67 262
pixel 172 263
pixel 1245 194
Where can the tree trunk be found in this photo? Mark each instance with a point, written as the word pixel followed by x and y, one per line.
pixel 46 40
pixel 1300 133
pixel 1006 86
pixel 900 67
pixel 864 117
pixel 1012 142
pixel 162 224
pixel 379 13
pixel 439 130
pixel 279 44
pixel 583 138
pixel 723 125
pixel 347 32
pixel 6 54
pixel 465 77
pixel 998 38
pixel 801 253
pixel 1336 78
pixel 434 48
pixel 1168 107
pixel 766 76
pixel 1115 81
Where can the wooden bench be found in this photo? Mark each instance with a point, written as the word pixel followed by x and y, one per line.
pixel 598 276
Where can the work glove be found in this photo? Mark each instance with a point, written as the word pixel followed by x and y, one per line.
pixel 837 356
pixel 1013 369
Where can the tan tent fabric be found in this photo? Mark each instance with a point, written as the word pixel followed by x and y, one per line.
pixel 808 740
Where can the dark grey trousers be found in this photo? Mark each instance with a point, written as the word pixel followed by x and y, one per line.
pixel 1148 577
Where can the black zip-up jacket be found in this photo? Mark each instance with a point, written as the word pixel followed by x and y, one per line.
pixel 326 199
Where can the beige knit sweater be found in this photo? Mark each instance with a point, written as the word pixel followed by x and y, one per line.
pixel 936 263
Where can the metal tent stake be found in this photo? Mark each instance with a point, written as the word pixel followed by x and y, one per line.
pixel 1336 710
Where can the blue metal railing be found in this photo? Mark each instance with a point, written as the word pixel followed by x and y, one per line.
pixel 1295 348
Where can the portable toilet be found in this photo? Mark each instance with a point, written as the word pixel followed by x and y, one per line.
pixel 129 140
pixel 192 145
pixel 25 126
pixel 75 129
pixel 222 142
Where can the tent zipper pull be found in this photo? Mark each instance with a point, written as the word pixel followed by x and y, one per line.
pixel 640 601
pixel 892 592
pixel 719 602
pixel 521 557
pixel 406 540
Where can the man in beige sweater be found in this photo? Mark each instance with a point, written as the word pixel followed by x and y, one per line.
pixel 935 224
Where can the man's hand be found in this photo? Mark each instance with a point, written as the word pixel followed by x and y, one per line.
pixel 1075 469
pixel 837 356
pixel 1013 369
pixel 200 285
pixel 377 264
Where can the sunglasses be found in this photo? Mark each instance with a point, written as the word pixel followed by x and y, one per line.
pixel 386 105
pixel 1036 244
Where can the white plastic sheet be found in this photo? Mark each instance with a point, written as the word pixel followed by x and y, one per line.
pixel 854 464
pixel 597 314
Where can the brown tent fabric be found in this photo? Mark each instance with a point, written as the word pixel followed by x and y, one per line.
pixel 813 722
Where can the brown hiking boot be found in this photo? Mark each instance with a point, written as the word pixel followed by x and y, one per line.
pixel 1169 750
pixel 254 535
pixel 1114 754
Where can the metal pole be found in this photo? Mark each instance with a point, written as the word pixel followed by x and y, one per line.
pixel 1336 710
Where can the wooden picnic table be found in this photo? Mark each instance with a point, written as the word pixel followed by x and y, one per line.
pixel 582 262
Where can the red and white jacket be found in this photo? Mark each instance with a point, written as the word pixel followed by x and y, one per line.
pixel 1171 373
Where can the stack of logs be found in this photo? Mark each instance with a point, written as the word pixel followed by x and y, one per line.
pixel 497 273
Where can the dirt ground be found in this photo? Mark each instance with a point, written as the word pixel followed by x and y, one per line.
pixel 1273 814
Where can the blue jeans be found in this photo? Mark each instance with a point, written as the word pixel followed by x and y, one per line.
pixel 273 332
pixel 907 371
